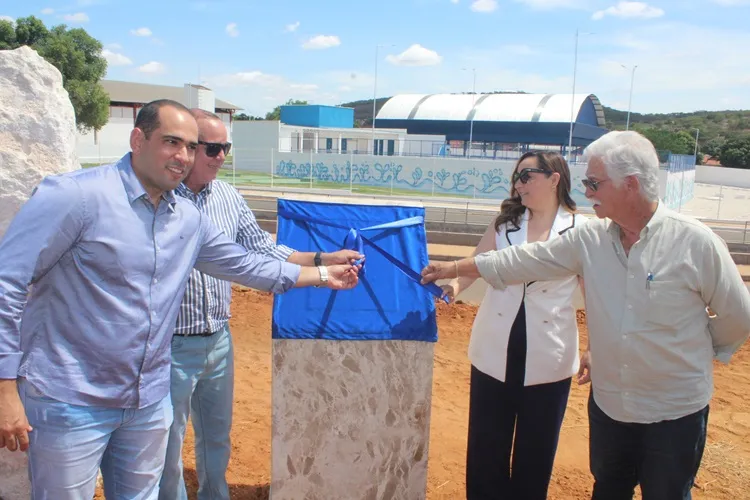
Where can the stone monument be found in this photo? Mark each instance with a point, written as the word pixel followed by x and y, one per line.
pixel 37 139
pixel 352 370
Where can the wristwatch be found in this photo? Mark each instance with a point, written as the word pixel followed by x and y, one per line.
pixel 323 270
pixel 317 260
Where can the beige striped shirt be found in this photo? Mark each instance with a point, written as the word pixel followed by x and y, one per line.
pixel 652 342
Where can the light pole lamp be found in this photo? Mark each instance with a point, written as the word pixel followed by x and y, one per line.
pixel 473 102
pixel 630 99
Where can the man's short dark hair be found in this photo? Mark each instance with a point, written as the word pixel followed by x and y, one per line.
pixel 148 117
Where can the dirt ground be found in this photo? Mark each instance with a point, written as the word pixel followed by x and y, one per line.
pixel 724 474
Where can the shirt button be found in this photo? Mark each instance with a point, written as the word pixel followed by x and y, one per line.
pixel 624 337
pixel 632 276
pixel 630 306
pixel 156 280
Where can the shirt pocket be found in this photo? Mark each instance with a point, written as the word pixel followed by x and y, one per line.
pixel 667 303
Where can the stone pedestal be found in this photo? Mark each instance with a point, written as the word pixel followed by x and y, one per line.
pixel 350 419
pixel 352 370
pixel 37 138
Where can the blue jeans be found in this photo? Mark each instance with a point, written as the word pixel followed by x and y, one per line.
pixel 70 443
pixel 203 389
pixel 662 457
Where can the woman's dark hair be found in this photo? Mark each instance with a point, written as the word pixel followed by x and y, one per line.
pixel 512 209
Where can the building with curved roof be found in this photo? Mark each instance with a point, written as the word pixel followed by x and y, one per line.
pixel 497 118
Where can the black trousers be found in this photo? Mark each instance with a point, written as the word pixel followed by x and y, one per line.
pixel 662 457
pixel 513 429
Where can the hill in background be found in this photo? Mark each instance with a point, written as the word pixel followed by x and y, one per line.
pixel 669 131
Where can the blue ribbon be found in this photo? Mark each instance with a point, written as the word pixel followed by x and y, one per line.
pixel 354 240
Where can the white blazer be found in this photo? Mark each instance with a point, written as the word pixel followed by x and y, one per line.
pixel 551 328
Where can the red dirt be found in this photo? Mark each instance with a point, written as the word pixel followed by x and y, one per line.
pixel 725 472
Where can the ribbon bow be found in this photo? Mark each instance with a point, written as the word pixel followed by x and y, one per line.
pixel 355 240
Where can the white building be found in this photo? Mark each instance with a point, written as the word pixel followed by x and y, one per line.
pixel 126 98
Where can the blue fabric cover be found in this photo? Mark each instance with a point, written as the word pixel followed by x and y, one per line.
pixel 388 303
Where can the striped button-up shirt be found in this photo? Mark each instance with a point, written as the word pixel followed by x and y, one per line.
pixel 205 307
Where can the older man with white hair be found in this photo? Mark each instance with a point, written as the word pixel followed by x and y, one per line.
pixel 651 277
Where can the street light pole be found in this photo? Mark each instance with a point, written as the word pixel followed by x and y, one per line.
pixel 573 96
pixel 697 132
pixel 630 99
pixel 473 102
pixel 573 99
pixel 375 94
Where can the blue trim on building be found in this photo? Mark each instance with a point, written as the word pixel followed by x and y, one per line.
pixel 318 116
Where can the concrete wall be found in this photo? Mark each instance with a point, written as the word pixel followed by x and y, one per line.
pixel 734 177
pixel 111 142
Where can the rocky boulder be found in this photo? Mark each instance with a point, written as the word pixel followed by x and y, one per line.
pixel 37 138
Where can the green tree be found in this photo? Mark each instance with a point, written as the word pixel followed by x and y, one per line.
pixel 7 35
pixel 276 113
pixel 735 153
pixel 240 117
pixel 664 140
pixel 78 57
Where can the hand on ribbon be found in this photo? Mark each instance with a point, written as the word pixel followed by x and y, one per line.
pixel 342 257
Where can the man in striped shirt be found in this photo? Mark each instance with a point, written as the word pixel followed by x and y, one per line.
pixel 202 355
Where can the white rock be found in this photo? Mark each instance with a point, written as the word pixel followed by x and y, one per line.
pixel 37 138
pixel 37 127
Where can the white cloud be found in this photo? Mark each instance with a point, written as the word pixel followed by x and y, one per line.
pixel 7 18
pixel 245 78
pixel 416 55
pixel 484 5
pixel 232 30
pixel 303 86
pixel 345 88
pixel 141 32
pixel 113 46
pixel 454 1
pixel 321 42
pixel 732 3
pixel 78 17
pixel 48 11
pixel 554 4
pixel 290 28
pixel 153 68
pixel 629 10
pixel 115 59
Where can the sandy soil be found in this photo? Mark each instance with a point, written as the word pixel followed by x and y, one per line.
pixel 725 472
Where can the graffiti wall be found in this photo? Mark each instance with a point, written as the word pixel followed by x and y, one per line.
pixel 426 176
pixel 460 178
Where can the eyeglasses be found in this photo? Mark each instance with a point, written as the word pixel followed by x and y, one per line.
pixel 214 148
pixel 592 185
pixel 525 175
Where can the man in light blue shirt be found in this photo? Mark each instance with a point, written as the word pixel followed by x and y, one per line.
pixel 202 351
pixel 85 353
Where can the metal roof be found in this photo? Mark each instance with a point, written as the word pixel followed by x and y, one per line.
pixel 529 108
pixel 142 93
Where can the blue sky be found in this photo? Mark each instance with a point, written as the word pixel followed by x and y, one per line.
pixel 690 54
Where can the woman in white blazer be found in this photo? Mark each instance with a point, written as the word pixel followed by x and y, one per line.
pixel 524 344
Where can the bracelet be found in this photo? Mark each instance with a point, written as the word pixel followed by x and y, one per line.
pixel 456 264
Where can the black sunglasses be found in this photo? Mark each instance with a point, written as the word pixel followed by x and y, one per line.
pixel 213 148
pixel 592 185
pixel 525 174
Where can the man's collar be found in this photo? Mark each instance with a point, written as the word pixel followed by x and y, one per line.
pixel 133 187
pixel 183 190
pixel 652 225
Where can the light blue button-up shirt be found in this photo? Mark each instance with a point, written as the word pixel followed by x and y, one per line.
pixel 108 272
